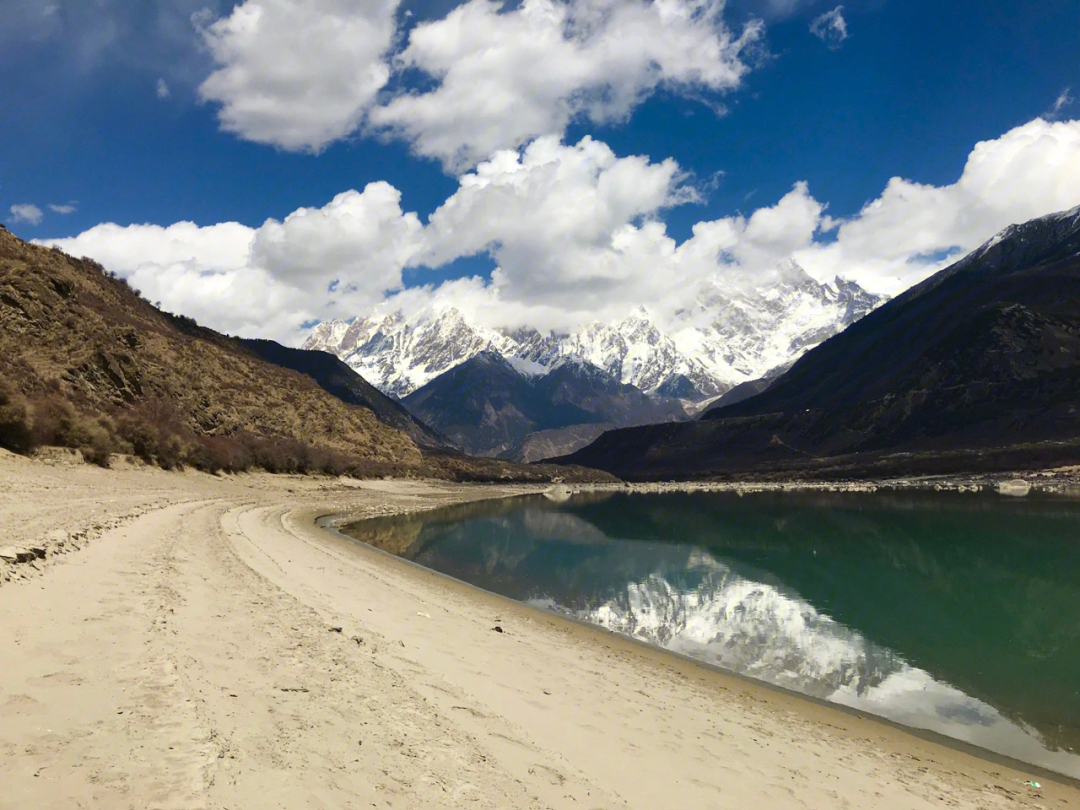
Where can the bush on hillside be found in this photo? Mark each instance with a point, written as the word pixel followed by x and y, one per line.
pixel 154 431
pixel 16 423
pixel 57 423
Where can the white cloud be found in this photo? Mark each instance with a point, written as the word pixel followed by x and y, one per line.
pixel 163 91
pixel 26 212
pixel 1028 172
pixel 577 235
pixel 507 76
pixel 549 215
pixel 68 208
pixel 301 74
pixel 298 74
pixel 1064 99
pixel 265 281
pixel 360 240
pixel 830 28
pixel 202 272
pixel 566 256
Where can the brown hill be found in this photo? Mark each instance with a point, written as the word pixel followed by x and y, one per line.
pixel 84 361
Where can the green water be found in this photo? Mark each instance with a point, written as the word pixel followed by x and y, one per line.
pixel 958 613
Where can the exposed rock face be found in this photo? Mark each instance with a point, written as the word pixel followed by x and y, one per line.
pixel 976 368
pixel 731 336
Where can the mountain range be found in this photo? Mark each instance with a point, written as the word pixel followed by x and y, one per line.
pixel 732 335
pixel 976 368
pixel 525 395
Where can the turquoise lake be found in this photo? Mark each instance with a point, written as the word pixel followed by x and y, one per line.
pixel 957 613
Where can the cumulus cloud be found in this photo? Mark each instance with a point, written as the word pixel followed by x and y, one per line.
pixel 68 208
pixel 830 28
pixel 266 281
pixel 898 239
pixel 503 77
pixel 163 91
pixel 549 214
pixel 26 212
pixel 578 235
pixel 358 243
pixel 298 74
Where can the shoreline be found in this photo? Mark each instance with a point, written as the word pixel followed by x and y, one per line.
pixel 212 646
pixel 600 634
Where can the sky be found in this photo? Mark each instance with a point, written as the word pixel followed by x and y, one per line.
pixel 269 164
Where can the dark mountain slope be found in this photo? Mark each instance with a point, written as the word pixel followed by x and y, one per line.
pixel 337 378
pixel 976 368
pixel 555 442
pixel 488 407
pixel 485 405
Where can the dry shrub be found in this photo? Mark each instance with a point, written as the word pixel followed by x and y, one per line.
pixel 16 423
pixel 156 433
pixel 57 423
pixel 154 430
pixel 215 454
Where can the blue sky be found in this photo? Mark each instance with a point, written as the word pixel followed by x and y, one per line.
pixel 907 93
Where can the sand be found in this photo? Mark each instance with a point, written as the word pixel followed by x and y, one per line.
pixel 207 646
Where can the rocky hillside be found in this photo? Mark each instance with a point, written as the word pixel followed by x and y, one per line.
pixel 338 379
pixel 976 368
pixel 85 361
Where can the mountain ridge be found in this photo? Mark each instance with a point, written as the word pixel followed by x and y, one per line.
pixel 978 367
pixel 733 335
pixel 87 363
pixel 340 380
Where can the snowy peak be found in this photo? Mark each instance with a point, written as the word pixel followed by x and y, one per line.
pixel 399 355
pixel 734 335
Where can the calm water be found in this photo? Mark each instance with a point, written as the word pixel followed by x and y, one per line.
pixel 958 613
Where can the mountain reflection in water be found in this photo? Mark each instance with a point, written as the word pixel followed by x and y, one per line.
pixel 955 613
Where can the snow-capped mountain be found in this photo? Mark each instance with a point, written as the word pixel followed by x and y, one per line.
pixel 729 337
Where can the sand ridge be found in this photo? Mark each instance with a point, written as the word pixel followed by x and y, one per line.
pixel 210 647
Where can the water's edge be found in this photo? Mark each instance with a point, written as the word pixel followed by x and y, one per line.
pixel 330 523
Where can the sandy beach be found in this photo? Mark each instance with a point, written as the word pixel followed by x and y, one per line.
pixel 178 640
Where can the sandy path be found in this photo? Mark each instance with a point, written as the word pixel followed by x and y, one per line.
pixel 187 658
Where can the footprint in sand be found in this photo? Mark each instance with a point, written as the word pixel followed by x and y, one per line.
pixel 469 710
pixel 552 776
pixel 19 705
pixel 57 679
